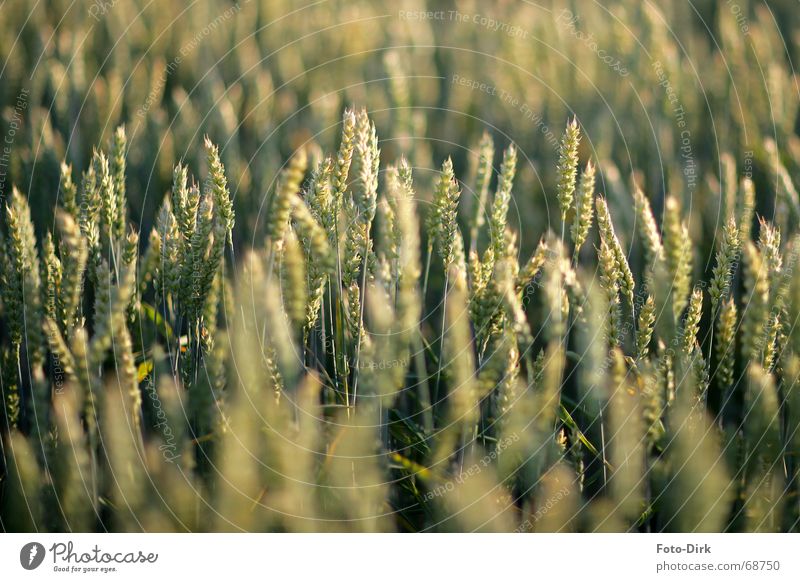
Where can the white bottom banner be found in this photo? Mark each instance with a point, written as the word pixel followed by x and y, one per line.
pixel 399 557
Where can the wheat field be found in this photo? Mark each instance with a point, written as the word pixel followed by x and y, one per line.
pixel 352 266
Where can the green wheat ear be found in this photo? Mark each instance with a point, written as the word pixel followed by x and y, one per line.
pixel 364 169
pixel 320 197
pixel 530 271
pixel 502 198
pixel 607 234
pixel 117 168
pixel 746 206
pixel 315 220
pixel 678 254
pixel 184 202
pixel 727 257
pixel 314 237
pixel 69 191
pixel 648 229
pixel 52 274
pixel 409 270
pixel 567 168
pixel 644 329
pixel 24 478
pixel 755 317
pixel 169 273
pixel 769 244
pixel 691 324
pixel 344 157
pixel 610 277
pixel 287 189
pixel 483 177
pixel 584 210
pixel 445 210
pixel 459 360
pixel 217 184
pixel 725 339
pixel 293 280
pixel 22 281
pixel 74 253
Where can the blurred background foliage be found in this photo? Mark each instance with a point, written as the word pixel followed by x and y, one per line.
pixel 264 77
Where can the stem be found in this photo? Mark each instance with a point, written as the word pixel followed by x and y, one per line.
pixel 333 339
pixel 603 448
pixel 362 298
pixel 712 333
pixel 340 371
pixel 441 339
pixel 427 271
pixel 423 388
